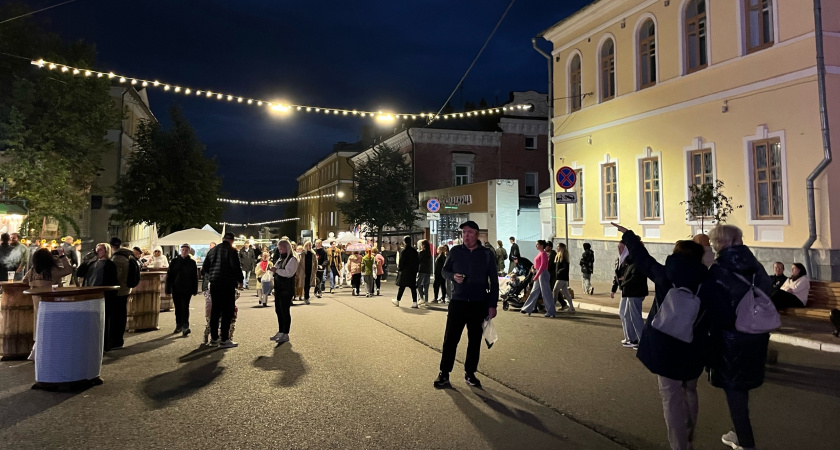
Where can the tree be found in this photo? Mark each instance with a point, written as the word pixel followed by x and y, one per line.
pixel 52 125
pixel 707 202
pixel 169 179
pixel 383 193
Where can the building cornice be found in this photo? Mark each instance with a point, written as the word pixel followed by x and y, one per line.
pixel 457 137
pixel 523 126
pixel 578 26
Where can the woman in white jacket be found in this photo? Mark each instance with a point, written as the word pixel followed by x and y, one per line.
pixel 794 292
pixel 158 261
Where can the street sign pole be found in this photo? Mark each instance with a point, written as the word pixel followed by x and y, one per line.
pixel 566 179
pixel 566 219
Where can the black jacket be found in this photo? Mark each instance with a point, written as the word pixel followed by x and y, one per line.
pixel 481 281
pixel 514 252
pixel 426 262
pixel 736 359
pixel 660 353
pixel 222 265
pixel 562 271
pixel 408 267
pixel 182 277
pixel 633 282
pixel 587 262
pixel 247 259
pixel 439 262
pixel 552 266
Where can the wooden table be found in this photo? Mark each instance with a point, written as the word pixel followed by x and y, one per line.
pixel 17 321
pixel 70 336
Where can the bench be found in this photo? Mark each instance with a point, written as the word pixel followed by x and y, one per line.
pixel 823 296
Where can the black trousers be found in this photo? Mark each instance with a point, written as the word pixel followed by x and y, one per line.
pixel 379 281
pixel 282 306
pixel 116 315
pixel 440 284
pixel 413 293
pixel 784 299
pixel 307 283
pixel 739 410
pixel 223 297
pixel 182 308
pixel 461 314
pixel 356 282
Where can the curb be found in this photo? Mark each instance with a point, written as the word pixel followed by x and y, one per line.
pixel 774 337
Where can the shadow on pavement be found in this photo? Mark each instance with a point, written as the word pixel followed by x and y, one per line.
pixel 30 403
pixel 813 379
pixel 184 381
pixel 283 360
pixel 141 347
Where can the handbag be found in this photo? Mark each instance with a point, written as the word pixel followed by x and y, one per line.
pixel 755 313
pixel 266 277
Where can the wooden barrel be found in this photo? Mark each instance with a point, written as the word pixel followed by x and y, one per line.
pixel 144 303
pixel 17 321
pixel 165 299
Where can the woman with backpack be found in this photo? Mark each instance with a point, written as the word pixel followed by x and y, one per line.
pixel 676 363
pixel 737 359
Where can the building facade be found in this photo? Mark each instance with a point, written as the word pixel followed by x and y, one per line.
pixel 324 184
pixel 659 95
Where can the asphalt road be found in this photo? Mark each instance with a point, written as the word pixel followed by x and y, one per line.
pixel 358 374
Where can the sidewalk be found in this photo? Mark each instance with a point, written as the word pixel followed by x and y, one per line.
pixel 802 332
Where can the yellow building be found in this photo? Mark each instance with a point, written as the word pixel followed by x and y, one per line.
pixel 326 182
pixel 655 95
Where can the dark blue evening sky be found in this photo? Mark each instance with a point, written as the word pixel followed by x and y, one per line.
pixel 400 55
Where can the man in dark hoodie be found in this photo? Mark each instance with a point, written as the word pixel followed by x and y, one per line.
pixel 222 266
pixel 677 364
pixel 634 289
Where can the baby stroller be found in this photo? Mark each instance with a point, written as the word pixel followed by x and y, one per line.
pixel 515 287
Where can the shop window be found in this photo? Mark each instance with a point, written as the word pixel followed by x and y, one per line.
pixel 531 184
pixel 647 54
pixel 651 198
pixel 607 70
pixel 577 212
pixel 609 192
pixel 575 84
pixel 768 187
pixel 696 56
pixel 758 24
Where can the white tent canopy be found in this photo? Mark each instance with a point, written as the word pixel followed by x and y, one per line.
pixel 192 236
pixel 207 227
pixel 347 238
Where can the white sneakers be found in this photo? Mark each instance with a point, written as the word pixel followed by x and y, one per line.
pixel 414 305
pixel 395 302
pixel 228 344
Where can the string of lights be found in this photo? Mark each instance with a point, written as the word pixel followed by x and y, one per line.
pixel 256 224
pixel 274 202
pixel 272 105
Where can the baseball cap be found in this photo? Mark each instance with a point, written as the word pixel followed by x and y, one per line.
pixel 185 245
pixel 470 224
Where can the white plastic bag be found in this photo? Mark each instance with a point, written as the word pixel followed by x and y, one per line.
pixel 489 333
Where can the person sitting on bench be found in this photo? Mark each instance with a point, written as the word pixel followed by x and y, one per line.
pixel 778 278
pixel 794 292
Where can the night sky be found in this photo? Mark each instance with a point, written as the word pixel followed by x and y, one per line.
pixel 404 56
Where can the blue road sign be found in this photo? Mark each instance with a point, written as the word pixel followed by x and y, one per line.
pixel 566 177
pixel 433 205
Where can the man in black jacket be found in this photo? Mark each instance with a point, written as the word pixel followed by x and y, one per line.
pixel 407 272
pixel 223 269
pixel 182 284
pixel 514 253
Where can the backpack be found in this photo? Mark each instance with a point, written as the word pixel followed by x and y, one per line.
pixel 755 313
pixel 132 279
pixel 677 314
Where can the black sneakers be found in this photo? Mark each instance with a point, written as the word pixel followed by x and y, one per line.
pixel 472 380
pixel 442 380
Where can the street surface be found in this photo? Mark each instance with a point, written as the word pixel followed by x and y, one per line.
pixel 358 373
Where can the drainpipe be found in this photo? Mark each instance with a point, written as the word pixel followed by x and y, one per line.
pixel 809 183
pixel 551 129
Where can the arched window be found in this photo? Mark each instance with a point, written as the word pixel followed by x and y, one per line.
pixel 647 54
pixel 696 56
pixel 607 70
pixel 759 24
pixel 574 84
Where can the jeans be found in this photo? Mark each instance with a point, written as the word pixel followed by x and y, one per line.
pixel 333 273
pixel 562 287
pixel 679 403
pixel 423 285
pixel 587 282
pixel 739 410
pixel 246 274
pixel 461 314
pixel 282 306
pixel 541 289
pixel 630 310
pixel 182 308
pixel 224 301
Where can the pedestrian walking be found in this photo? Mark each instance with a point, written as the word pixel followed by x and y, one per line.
pixel 552 264
pixel 334 266
pixel 247 261
pixel 440 280
pixel 561 283
pixel 368 268
pixel 514 253
pixel 98 269
pixel 737 359
pixel 321 267
pixel 266 278
pixel 677 364
pixel 541 287
pixel 587 267
pixel 380 269
pixel 284 270
pixel 310 270
pixel 501 257
pixel 354 267
pixel 424 270
pixel 182 284
pixel 407 268
pixel 633 284
pixel 224 270
pixel 208 310
pixel 473 269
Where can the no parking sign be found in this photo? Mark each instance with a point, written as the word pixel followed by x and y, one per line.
pixel 566 177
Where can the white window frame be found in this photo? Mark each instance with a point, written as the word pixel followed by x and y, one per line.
pixel 762 133
pixel 579 186
pixel 697 144
pixel 463 159
pixel 742 24
pixel 604 38
pixel 457 176
pixel 536 184
pixel 602 220
pixel 636 57
pixel 683 56
pixel 640 180
pixel 568 83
